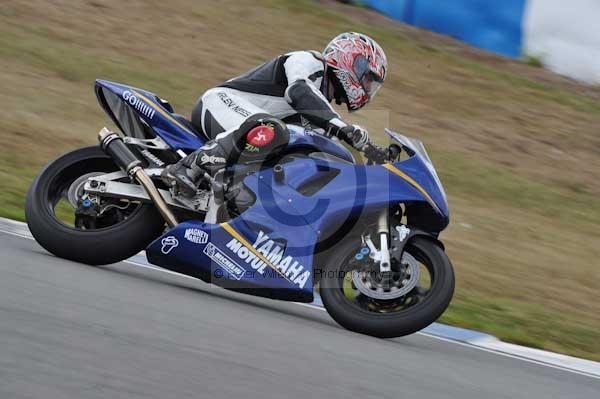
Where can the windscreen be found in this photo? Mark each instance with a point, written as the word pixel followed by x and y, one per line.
pixel 417 147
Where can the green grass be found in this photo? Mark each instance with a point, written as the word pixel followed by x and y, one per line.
pixel 517 152
pixel 473 178
pixel 511 320
pixel 533 60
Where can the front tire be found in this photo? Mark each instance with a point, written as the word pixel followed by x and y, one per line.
pixel 387 319
pixel 112 241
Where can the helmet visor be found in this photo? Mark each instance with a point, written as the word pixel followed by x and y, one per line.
pixel 370 82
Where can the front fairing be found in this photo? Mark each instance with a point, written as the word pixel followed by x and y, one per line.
pixel 353 192
pixel 417 167
pixel 420 168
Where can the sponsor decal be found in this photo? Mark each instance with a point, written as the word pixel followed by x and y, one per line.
pixel 221 259
pixel 403 232
pixel 274 253
pixel 168 244
pixel 196 236
pixel 138 104
pixel 261 135
pixel 211 159
pixel 250 148
pixel 232 105
pixel 308 129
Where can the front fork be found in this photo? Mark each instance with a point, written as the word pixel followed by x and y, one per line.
pixel 381 255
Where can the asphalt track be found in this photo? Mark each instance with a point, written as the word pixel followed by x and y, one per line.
pixel 73 331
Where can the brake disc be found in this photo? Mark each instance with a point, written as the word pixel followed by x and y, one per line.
pixel 389 285
pixel 76 188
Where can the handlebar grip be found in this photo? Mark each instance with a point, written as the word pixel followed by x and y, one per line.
pixel 394 150
pixel 349 134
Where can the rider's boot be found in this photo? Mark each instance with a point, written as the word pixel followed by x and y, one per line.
pixel 257 138
pixel 186 174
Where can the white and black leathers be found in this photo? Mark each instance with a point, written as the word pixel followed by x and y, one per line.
pixel 289 87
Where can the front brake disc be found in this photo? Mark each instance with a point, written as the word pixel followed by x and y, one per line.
pixel 389 285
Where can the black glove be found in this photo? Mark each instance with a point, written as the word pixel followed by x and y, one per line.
pixel 354 135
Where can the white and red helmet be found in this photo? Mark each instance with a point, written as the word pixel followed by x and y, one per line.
pixel 359 65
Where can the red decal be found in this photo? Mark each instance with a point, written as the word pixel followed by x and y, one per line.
pixel 260 136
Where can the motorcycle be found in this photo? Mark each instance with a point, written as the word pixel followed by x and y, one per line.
pixel 366 236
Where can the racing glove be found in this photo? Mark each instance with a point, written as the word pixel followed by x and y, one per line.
pixel 354 135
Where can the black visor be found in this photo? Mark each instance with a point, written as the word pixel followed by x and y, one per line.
pixel 369 81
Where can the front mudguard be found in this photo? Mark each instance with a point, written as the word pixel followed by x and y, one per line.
pixel 403 234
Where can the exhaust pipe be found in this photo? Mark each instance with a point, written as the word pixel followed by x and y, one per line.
pixel 112 144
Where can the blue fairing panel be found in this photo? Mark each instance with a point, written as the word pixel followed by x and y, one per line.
pixel 243 255
pixel 258 253
pixel 148 108
pixel 357 189
pixel 302 138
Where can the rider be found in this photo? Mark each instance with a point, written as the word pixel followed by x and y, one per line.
pixel 246 116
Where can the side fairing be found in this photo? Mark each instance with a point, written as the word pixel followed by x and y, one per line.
pixel 356 190
pixel 268 250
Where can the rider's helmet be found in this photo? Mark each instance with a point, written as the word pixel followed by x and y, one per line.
pixel 358 66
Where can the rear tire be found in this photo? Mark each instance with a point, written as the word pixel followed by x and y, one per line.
pixel 101 246
pixel 396 323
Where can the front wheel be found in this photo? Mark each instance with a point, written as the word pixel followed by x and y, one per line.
pixel 92 230
pixel 401 302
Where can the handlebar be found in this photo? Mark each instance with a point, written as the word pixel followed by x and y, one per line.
pixel 378 155
pixel 374 153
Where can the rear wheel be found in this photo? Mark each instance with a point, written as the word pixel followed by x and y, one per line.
pixel 87 229
pixel 408 299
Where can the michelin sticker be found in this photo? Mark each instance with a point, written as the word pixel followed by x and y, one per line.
pixel 168 244
pixel 196 236
pixel 275 254
pixel 235 270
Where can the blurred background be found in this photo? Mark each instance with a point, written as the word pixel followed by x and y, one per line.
pixel 516 145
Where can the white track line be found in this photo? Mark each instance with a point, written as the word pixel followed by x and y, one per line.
pixel 591 369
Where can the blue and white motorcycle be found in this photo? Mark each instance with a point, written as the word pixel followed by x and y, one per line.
pixel 365 236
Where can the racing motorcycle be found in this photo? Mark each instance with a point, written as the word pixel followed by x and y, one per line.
pixel 364 235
